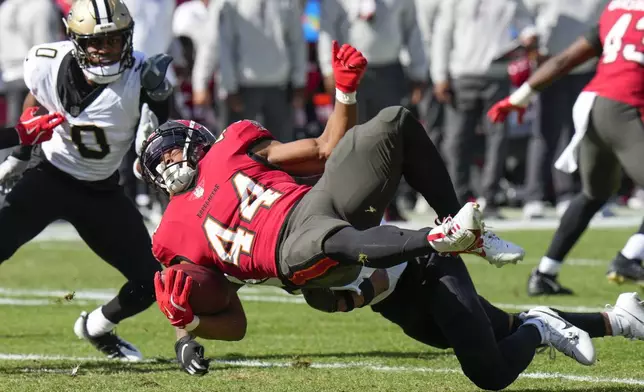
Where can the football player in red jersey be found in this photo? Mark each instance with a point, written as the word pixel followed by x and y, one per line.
pixel 235 205
pixel 609 134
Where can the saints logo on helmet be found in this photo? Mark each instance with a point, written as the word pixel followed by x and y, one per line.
pixel 101 31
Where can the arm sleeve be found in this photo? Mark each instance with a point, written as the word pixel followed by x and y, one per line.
pixel 161 109
pixel 413 41
pixel 592 36
pixel 297 49
pixel 8 138
pixel 442 41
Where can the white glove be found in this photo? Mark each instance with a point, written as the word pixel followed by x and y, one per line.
pixel 12 167
pixel 147 124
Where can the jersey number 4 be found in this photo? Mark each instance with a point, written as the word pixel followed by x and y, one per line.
pixel 231 243
pixel 613 41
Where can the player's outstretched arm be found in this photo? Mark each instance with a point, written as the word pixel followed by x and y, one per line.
pixel 580 51
pixel 307 157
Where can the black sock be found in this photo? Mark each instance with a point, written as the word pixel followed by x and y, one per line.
pixel 377 247
pixel 593 323
pixel 133 298
pixel 572 226
pixel 424 169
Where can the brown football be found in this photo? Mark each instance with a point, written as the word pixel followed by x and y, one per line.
pixel 211 292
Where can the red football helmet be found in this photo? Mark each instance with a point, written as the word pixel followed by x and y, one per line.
pixel 193 140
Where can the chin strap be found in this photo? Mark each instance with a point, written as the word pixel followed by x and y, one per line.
pixel 103 74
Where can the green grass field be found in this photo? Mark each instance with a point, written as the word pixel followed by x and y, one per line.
pixel 348 352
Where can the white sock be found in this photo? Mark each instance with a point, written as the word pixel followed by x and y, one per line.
pixel 618 325
pixel 634 248
pixel 549 266
pixel 98 324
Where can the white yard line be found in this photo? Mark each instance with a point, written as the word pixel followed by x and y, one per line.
pixel 250 294
pixel 66 232
pixel 332 365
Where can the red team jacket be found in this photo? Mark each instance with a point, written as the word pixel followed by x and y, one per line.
pixel 231 219
pixel 620 37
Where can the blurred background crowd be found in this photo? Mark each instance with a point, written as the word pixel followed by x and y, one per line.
pixel 446 60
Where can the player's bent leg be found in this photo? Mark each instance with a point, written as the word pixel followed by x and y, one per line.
pixel 626 132
pixel 600 175
pixel 120 238
pixel 457 310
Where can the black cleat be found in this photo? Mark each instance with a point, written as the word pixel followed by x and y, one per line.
pixel 544 284
pixel 109 344
pixel 623 270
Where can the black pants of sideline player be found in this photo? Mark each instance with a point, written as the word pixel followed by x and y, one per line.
pixel 435 303
pixel 104 217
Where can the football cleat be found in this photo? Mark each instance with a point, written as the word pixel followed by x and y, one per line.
pixel 109 344
pixel 629 310
pixel 544 284
pixel 561 335
pixel 622 270
pixel 460 233
pixel 497 251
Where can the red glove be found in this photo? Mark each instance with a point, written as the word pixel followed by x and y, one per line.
pixel 172 292
pixel 348 67
pixel 33 129
pixel 501 109
pixel 519 71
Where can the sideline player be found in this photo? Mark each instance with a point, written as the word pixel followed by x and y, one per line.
pixel 235 204
pixel 101 85
pixel 609 135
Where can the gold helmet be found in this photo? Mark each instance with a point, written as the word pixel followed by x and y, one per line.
pixel 101 31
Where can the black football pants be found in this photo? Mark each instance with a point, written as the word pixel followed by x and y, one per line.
pixel 438 305
pixel 104 217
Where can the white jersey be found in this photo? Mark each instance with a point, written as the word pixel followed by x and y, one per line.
pixel 91 143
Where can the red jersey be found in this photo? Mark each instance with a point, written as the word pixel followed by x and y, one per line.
pixel 232 218
pixel 619 37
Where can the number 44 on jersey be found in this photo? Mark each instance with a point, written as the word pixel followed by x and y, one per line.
pixel 230 243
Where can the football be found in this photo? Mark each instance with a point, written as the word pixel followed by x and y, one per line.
pixel 211 292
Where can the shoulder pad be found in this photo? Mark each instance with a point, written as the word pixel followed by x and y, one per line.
pixel 153 77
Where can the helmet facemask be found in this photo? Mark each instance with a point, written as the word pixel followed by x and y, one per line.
pixel 177 176
pixel 99 70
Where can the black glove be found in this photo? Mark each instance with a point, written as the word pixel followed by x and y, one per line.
pixel 190 356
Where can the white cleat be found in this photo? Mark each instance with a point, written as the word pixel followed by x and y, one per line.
pixel 497 251
pixel 460 233
pixel 109 344
pixel 561 335
pixel 629 311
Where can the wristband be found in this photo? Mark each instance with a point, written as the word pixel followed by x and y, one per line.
pixel 192 325
pixel 345 98
pixel 522 96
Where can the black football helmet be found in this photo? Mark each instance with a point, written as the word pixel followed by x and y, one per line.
pixel 191 139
